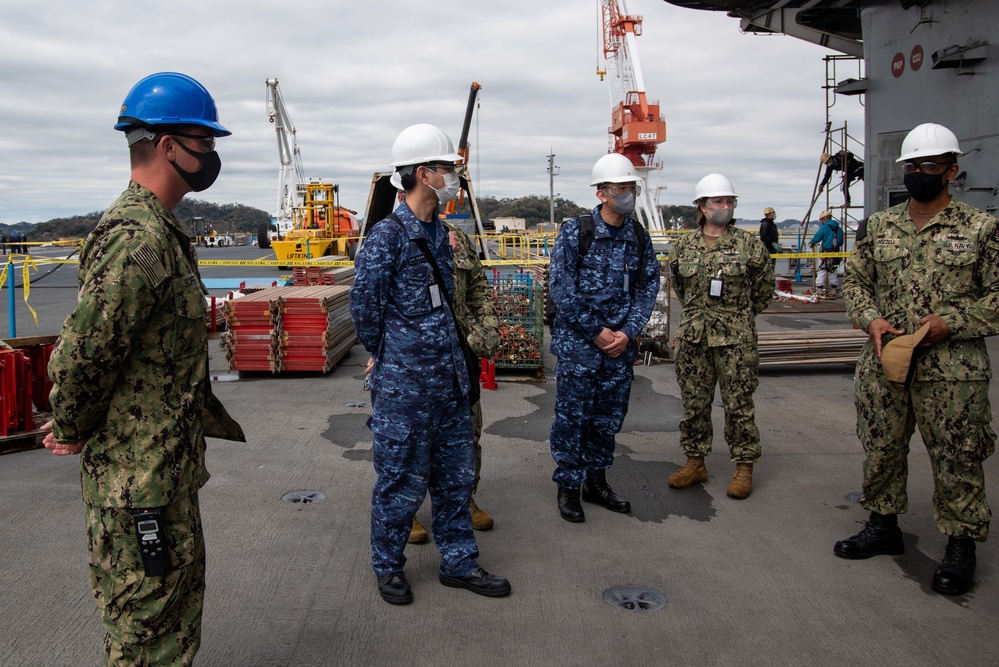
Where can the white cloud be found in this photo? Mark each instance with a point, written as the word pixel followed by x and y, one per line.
pixel 355 74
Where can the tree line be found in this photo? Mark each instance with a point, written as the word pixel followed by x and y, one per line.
pixel 236 218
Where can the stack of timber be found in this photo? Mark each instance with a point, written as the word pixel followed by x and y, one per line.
pixel 811 347
pixel 316 327
pixel 341 275
pixel 254 323
pixel 307 276
pixel 289 329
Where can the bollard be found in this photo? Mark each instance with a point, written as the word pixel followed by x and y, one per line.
pixel 488 375
pixel 10 297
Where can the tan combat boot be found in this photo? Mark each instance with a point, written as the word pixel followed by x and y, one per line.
pixel 692 472
pixel 742 481
pixel 418 535
pixel 480 518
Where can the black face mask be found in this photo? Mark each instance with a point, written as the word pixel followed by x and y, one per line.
pixel 202 179
pixel 924 187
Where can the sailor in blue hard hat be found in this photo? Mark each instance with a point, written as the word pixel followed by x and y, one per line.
pixel 131 393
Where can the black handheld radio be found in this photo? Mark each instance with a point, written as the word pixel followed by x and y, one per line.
pixel 149 530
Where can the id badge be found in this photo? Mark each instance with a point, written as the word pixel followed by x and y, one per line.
pixel 715 289
pixel 435 296
pixel 627 281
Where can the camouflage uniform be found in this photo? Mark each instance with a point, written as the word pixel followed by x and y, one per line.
pixel 475 308
pixel 716 337
pixel 950 268
pixel 591 398
pixel 419 414
pixel 130 377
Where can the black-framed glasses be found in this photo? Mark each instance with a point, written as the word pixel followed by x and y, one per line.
pixel 205 143
pixel 927 167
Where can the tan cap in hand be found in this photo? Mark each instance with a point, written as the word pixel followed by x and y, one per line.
pixel 899 357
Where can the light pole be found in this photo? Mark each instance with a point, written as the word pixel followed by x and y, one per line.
pixel 552 173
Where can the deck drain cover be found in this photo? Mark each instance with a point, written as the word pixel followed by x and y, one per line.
pixel 635 598
pixel 304 497
pixel 356 404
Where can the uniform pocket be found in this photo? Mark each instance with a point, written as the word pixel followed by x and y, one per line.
pixel 190 309
pixel 389 427
pixel 688 269
pixel 413 293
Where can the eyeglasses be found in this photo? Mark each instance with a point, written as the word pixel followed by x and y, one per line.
pixel 205 143
pixel 720 202
pixel 446 168
pixel 620 189
pixel 928 167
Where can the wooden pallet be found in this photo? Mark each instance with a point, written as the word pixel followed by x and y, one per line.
pixel 25 440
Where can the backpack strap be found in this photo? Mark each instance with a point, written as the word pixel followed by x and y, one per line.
pixel 586 229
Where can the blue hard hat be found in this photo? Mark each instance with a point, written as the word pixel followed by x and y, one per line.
pixel 169 98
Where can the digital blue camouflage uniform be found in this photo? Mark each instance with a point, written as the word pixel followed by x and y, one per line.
pixel 420 417
pixel 591 398
pixel 130 377
pixel 949 268
pixel 475 308
pixel 716 337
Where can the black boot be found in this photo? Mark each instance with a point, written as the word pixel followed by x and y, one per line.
pixel 596 490
pixel 956 573
pixel 394 588
pixel 568 505
pixel 881 535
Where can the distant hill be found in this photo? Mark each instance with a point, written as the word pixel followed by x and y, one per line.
pixel 221 217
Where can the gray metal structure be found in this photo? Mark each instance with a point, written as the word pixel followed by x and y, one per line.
pixel 925 61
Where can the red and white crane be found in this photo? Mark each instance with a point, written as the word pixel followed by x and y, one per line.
pixel 637 127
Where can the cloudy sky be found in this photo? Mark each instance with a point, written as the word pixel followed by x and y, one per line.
pixel 354 74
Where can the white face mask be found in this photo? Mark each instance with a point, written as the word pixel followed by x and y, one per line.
pixel 452 184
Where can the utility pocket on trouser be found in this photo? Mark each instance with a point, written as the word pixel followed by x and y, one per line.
pixel 148 620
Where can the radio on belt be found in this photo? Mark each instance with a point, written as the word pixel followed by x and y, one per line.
pixel 149 530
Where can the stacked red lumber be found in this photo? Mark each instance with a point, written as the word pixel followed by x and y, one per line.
pixel 254 323
pixel 316 327
pixel 289 329
pixel 307 276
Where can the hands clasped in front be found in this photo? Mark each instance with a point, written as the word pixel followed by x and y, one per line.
pixel 611 343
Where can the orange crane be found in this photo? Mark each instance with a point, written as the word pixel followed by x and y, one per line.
pixel 637 126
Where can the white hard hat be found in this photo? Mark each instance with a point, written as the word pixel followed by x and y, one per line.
pixel 713 185
pixel 419 144
pixel 929 139
pixel 396 180
pixel 614 168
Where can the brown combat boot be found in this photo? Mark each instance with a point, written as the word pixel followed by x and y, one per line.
pixel 692 472
pixel 480 518
pixel 742 481
pixel 418 535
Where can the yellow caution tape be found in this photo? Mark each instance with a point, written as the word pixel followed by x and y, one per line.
pixel 28 261
pixel 489 262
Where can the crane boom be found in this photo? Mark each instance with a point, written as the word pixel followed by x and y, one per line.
pixel 289 156
pixel 637 127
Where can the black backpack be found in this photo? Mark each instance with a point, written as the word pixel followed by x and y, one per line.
pixel 586 227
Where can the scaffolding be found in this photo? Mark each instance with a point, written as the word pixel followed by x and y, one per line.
pixel 842 163
pixel 844 166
